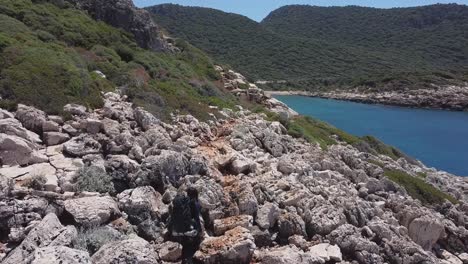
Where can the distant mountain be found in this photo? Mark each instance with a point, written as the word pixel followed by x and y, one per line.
pixel 332 46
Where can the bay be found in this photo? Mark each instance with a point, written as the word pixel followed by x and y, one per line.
pixel 438 138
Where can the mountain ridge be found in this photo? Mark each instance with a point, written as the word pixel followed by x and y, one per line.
pixel 282 49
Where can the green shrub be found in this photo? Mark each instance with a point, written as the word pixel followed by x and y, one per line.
pixel 93 179
pixel 36 182
pixel 92 239
pixel 418 188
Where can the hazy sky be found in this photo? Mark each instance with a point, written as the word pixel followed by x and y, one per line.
pixel 258 9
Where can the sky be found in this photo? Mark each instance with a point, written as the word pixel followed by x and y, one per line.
pixel 259 9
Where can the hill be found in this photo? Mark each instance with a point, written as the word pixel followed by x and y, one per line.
pixel 332 46
pixel 51 54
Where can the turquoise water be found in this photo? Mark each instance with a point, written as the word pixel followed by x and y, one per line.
pixel 437 138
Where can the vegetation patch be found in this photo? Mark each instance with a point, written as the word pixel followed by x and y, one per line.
pixel 92 239
pixel 93 179
pixel 418 188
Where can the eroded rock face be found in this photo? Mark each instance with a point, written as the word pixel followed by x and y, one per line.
pixel 60 254
pixel 18 151
pixel 49 232
pixel 31 118
pixel 142 203
pixel 285 200
pixel 92 211
pixel 81 145
pixel 426 231
pixel 235 246
pixel 135 250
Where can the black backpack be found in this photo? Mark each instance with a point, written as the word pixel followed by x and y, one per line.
pixel 181 217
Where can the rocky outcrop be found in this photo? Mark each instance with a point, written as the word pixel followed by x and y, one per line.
pixel 60 254
pixel 135 250
pixel 236 246
pixel 265 197
pixel 49 232
pixel 123 14
pixel 92 211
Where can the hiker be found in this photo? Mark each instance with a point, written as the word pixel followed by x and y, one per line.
pixel 184 223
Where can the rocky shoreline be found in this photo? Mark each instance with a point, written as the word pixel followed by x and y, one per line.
pixel 452 98
pixel 265 196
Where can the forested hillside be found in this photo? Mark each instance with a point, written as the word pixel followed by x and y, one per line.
pixel 50 55
pixel 332 46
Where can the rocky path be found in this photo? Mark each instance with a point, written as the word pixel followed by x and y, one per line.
pixel 265 196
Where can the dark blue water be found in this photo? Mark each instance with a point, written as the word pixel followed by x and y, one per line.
pixel 437 138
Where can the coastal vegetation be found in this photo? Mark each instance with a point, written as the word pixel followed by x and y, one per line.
pixel 50 55
pixel 306 47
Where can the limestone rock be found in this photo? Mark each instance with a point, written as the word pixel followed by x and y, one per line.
pixel 145 119
pixel 92 211
pixel 55 138
pixel 50 126
pixel 267 215
pixel 75 109
pixel 286 255
pixel 93 126
pixel 17 151
pixel 60 254
pixel 134 250
pixel 166 168
pixel 170 251
pixel 326 252
pixel 81 146
pixel 13 127
pixel 235 246
pixel 49 232
pixel 425 231
pixel 31 118
pixel 142 203
pixel 222 225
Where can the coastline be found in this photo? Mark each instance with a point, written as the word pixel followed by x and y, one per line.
pixel 452 98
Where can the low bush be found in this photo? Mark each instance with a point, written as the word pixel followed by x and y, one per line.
pixel 93 179
pixel 92 239
pixel 418 188
pixel 36 182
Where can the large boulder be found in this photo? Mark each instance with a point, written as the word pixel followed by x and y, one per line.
pixel 55 138
pixel 135 250
pixel 13 127
pixel 92 211
pixel 327 252
pixel 75 109
pixel 159 171
pixel 31 118
pixel 81 146
pixel 170 251
pixel 425 231
pixel 267 215
pixel 235 246
pixel 145 119
pixel 142 203
pixel 18 151
pixel 220 226
pixel 60 254
pixel 49 232
pixel 286 255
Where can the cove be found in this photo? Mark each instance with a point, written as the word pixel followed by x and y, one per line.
pixel 438 138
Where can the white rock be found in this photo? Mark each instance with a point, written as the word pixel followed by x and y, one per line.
pixel 135 250
pixel 267 215
pixel 92 211
pixel 60 254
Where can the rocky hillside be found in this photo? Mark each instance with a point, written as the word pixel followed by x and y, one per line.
pixel 88 175
pixel 332 47
pixel 97 188
pixel 52 54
